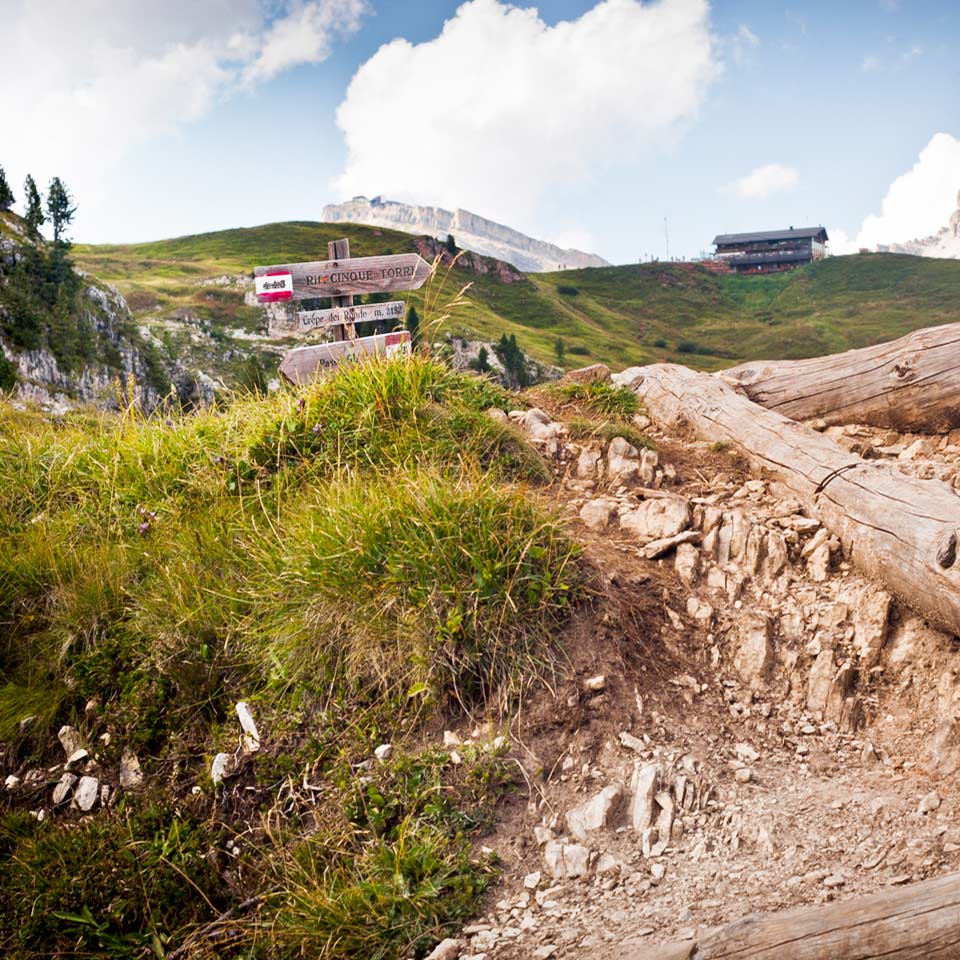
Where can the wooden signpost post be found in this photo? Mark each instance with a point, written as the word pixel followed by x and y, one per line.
pixel 340 278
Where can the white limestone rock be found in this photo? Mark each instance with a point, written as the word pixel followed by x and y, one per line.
pixel 86 793
pixel 658 518
pixel 564 860
pixel 596 813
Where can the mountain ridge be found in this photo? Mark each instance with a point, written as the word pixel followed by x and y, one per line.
pixel 470 231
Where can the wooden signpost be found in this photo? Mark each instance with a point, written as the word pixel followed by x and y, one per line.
pixel 340 277
pixel 307 320
pixel 301 365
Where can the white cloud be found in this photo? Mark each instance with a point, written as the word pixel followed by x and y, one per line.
pixel 917 204
pixel 501 109
pixel 764 181
pixel 870 63
pixel 305 35
pixel 742 41
pixel 115 73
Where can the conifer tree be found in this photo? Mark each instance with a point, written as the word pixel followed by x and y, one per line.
pixel 6 194
pixel 34 215
pixel 60 211
pixel 451 245
pixel 413 325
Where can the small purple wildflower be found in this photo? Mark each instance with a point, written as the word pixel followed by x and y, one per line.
pixel 316 429
pixel 143 528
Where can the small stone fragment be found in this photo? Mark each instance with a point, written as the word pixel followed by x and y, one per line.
pixel 929 803
pixel 448 949
pixel 596 514
pixel 383 752
pixel 11 782
pixel 251 736
pixel 566 860
pixel 224 765
pixel 532 880
pixel 64 788
pixel 644 789
pixel 70 739
pixel 450 739
pixel 595 684
pixel 86 793
pixel 596 813
pixel 742 774
pixel 131 775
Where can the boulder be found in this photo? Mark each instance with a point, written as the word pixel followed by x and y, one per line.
pixel 596 813
pixel 657 519
pixel 754 657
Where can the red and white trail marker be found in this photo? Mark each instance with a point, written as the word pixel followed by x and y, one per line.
pixel 274 285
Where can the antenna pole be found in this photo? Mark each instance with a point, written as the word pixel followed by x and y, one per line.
pixel 666 234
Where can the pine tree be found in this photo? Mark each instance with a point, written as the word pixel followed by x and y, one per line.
pixel 483 361
pixel 560 349
pixel 451 245
pixel 34 215
pixel 60 211
pixel 6 194
pixel 413 325
pixel 513 360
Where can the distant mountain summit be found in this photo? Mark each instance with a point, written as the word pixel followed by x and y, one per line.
pixel 945 243
pixel 470 231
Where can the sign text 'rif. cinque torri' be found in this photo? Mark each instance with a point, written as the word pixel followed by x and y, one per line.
pixel 337 278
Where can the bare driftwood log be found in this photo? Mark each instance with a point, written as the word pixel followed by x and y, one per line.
pixel 919 922
pixel 897 529
pixel 908 384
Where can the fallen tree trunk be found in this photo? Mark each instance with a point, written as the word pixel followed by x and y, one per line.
pixel 907 384
pixel 919 922
pixel 898 529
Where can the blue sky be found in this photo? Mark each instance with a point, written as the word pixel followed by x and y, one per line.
pixel 587 125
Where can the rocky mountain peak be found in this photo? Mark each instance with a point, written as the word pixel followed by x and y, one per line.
pixel 471 231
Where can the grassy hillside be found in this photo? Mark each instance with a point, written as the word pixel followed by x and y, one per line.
pixel 620 315
pixel 356 560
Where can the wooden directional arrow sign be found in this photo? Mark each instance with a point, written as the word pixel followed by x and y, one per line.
pixel 312 319
pixel 301 365
pixel 339 278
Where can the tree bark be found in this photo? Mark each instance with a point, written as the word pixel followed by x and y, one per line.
pixel 908 384
pixel 898 529
pixel 919 922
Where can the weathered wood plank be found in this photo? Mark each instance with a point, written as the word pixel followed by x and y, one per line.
pixel 919 922
pixel 892 526
pixel 908 384
pixel 307 320
pixel 339 250
pixel 346 276
pixel 305 363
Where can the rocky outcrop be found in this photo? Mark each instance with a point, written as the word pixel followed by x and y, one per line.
pixel 944 244
pixel 470 231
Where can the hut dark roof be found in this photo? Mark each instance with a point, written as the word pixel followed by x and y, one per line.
pixel 800 233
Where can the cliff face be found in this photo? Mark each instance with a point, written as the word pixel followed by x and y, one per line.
pixel 945 243
pixel 75 353
pixel 470 231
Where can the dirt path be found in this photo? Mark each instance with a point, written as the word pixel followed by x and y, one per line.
pixel 794 727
